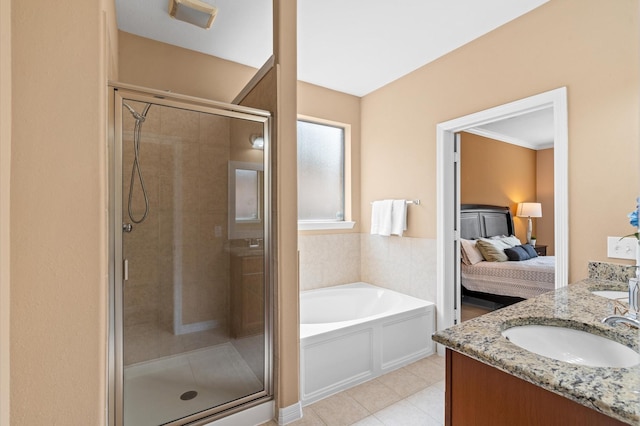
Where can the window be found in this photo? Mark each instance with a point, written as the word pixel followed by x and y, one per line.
pixel 322 177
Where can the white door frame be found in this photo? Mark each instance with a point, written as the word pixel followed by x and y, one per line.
pixel 446 220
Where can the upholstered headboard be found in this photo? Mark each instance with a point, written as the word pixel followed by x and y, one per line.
pixel 480 220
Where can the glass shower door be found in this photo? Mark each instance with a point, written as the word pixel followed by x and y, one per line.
pixel 195 293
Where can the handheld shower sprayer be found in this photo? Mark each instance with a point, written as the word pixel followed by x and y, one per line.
pixel 135 170
pixel 137 116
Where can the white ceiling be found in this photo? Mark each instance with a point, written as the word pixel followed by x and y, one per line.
pixel 533 130
pixel 352 46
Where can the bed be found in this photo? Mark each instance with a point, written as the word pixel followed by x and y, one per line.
pixel 503 282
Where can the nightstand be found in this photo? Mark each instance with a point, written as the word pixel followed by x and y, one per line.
pixel 541 250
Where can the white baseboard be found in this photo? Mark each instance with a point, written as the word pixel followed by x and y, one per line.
pixel 290 414
pixel 251 416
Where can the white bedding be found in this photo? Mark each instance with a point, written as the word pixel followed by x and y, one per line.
pixel 526 279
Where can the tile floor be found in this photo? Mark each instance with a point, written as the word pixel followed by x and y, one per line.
pixel 471 311
pixel 412 395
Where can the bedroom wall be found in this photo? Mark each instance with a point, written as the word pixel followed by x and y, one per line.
pixel 545 195
pixel 497 173
pixel 594 54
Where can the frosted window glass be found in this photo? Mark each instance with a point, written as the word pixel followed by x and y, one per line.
pixel 246 195
pixel 320 172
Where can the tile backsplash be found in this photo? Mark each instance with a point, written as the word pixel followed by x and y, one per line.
pixel 611 271
pixel 407 265
pixel 327 260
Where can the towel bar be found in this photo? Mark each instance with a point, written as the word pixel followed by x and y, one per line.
pixel 416 202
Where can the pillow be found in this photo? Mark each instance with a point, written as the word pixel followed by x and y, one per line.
pixel 470 253
pixel 517 253
pixel 496 242
pixel 492 250
pixel 530 250
pixel 512 241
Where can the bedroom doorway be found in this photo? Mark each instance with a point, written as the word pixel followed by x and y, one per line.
pixel 448 197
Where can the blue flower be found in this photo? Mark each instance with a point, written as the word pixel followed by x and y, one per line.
pixel 633 218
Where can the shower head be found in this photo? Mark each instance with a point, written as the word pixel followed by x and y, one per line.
pixel 194 12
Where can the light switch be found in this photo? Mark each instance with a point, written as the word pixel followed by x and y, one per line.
pixel 624 248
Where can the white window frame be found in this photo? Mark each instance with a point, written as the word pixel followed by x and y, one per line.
pixel 347 222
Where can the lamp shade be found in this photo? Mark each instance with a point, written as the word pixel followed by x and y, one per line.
pixel 529 210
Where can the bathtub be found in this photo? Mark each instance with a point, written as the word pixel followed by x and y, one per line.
pixel 355 332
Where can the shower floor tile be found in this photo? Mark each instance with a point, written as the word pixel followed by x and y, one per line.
pixel 152 389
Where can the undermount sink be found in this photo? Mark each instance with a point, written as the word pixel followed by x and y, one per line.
pixel 572 346
pixel 611 294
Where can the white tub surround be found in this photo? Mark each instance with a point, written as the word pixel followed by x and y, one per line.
pixel 355 332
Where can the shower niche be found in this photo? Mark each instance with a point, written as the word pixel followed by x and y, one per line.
pixel 190 199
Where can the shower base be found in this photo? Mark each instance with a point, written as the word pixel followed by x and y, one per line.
pixel 153 389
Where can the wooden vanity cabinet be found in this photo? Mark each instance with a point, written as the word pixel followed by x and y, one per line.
pixel 247 295
pixel 477 394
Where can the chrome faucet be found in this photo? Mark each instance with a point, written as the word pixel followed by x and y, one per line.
pixel 630 319
pixel 633 317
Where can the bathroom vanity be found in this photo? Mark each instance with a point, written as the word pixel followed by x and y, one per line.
pixel 492 381
pixel 247 293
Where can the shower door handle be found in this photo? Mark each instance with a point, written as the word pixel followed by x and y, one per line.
pixel 125 269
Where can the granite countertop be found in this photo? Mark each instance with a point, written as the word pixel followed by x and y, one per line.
pixel 611 391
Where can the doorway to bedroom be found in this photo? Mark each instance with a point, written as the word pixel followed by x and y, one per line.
pixel 503 164
pixel 449 195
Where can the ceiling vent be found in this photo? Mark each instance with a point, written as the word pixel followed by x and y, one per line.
pixel 194 12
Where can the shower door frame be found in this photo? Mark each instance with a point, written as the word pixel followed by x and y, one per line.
pixel 117 93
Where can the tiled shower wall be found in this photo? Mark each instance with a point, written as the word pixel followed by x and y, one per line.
pixel 179 269
pixel 406 265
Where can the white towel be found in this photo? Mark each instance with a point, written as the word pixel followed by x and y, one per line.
pixel 399 217
pixel 381 217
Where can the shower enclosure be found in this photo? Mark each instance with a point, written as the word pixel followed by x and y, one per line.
pixel 191 302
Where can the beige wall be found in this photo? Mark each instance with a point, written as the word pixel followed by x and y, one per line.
pixel 161 66
pixel 589 46
pixel 497 173
pixel 5 225
pixel 285 50
pixel 58 213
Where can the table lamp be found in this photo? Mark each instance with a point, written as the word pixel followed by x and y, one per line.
pixel 529 210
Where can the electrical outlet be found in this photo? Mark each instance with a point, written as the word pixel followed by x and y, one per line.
pixel 622 248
